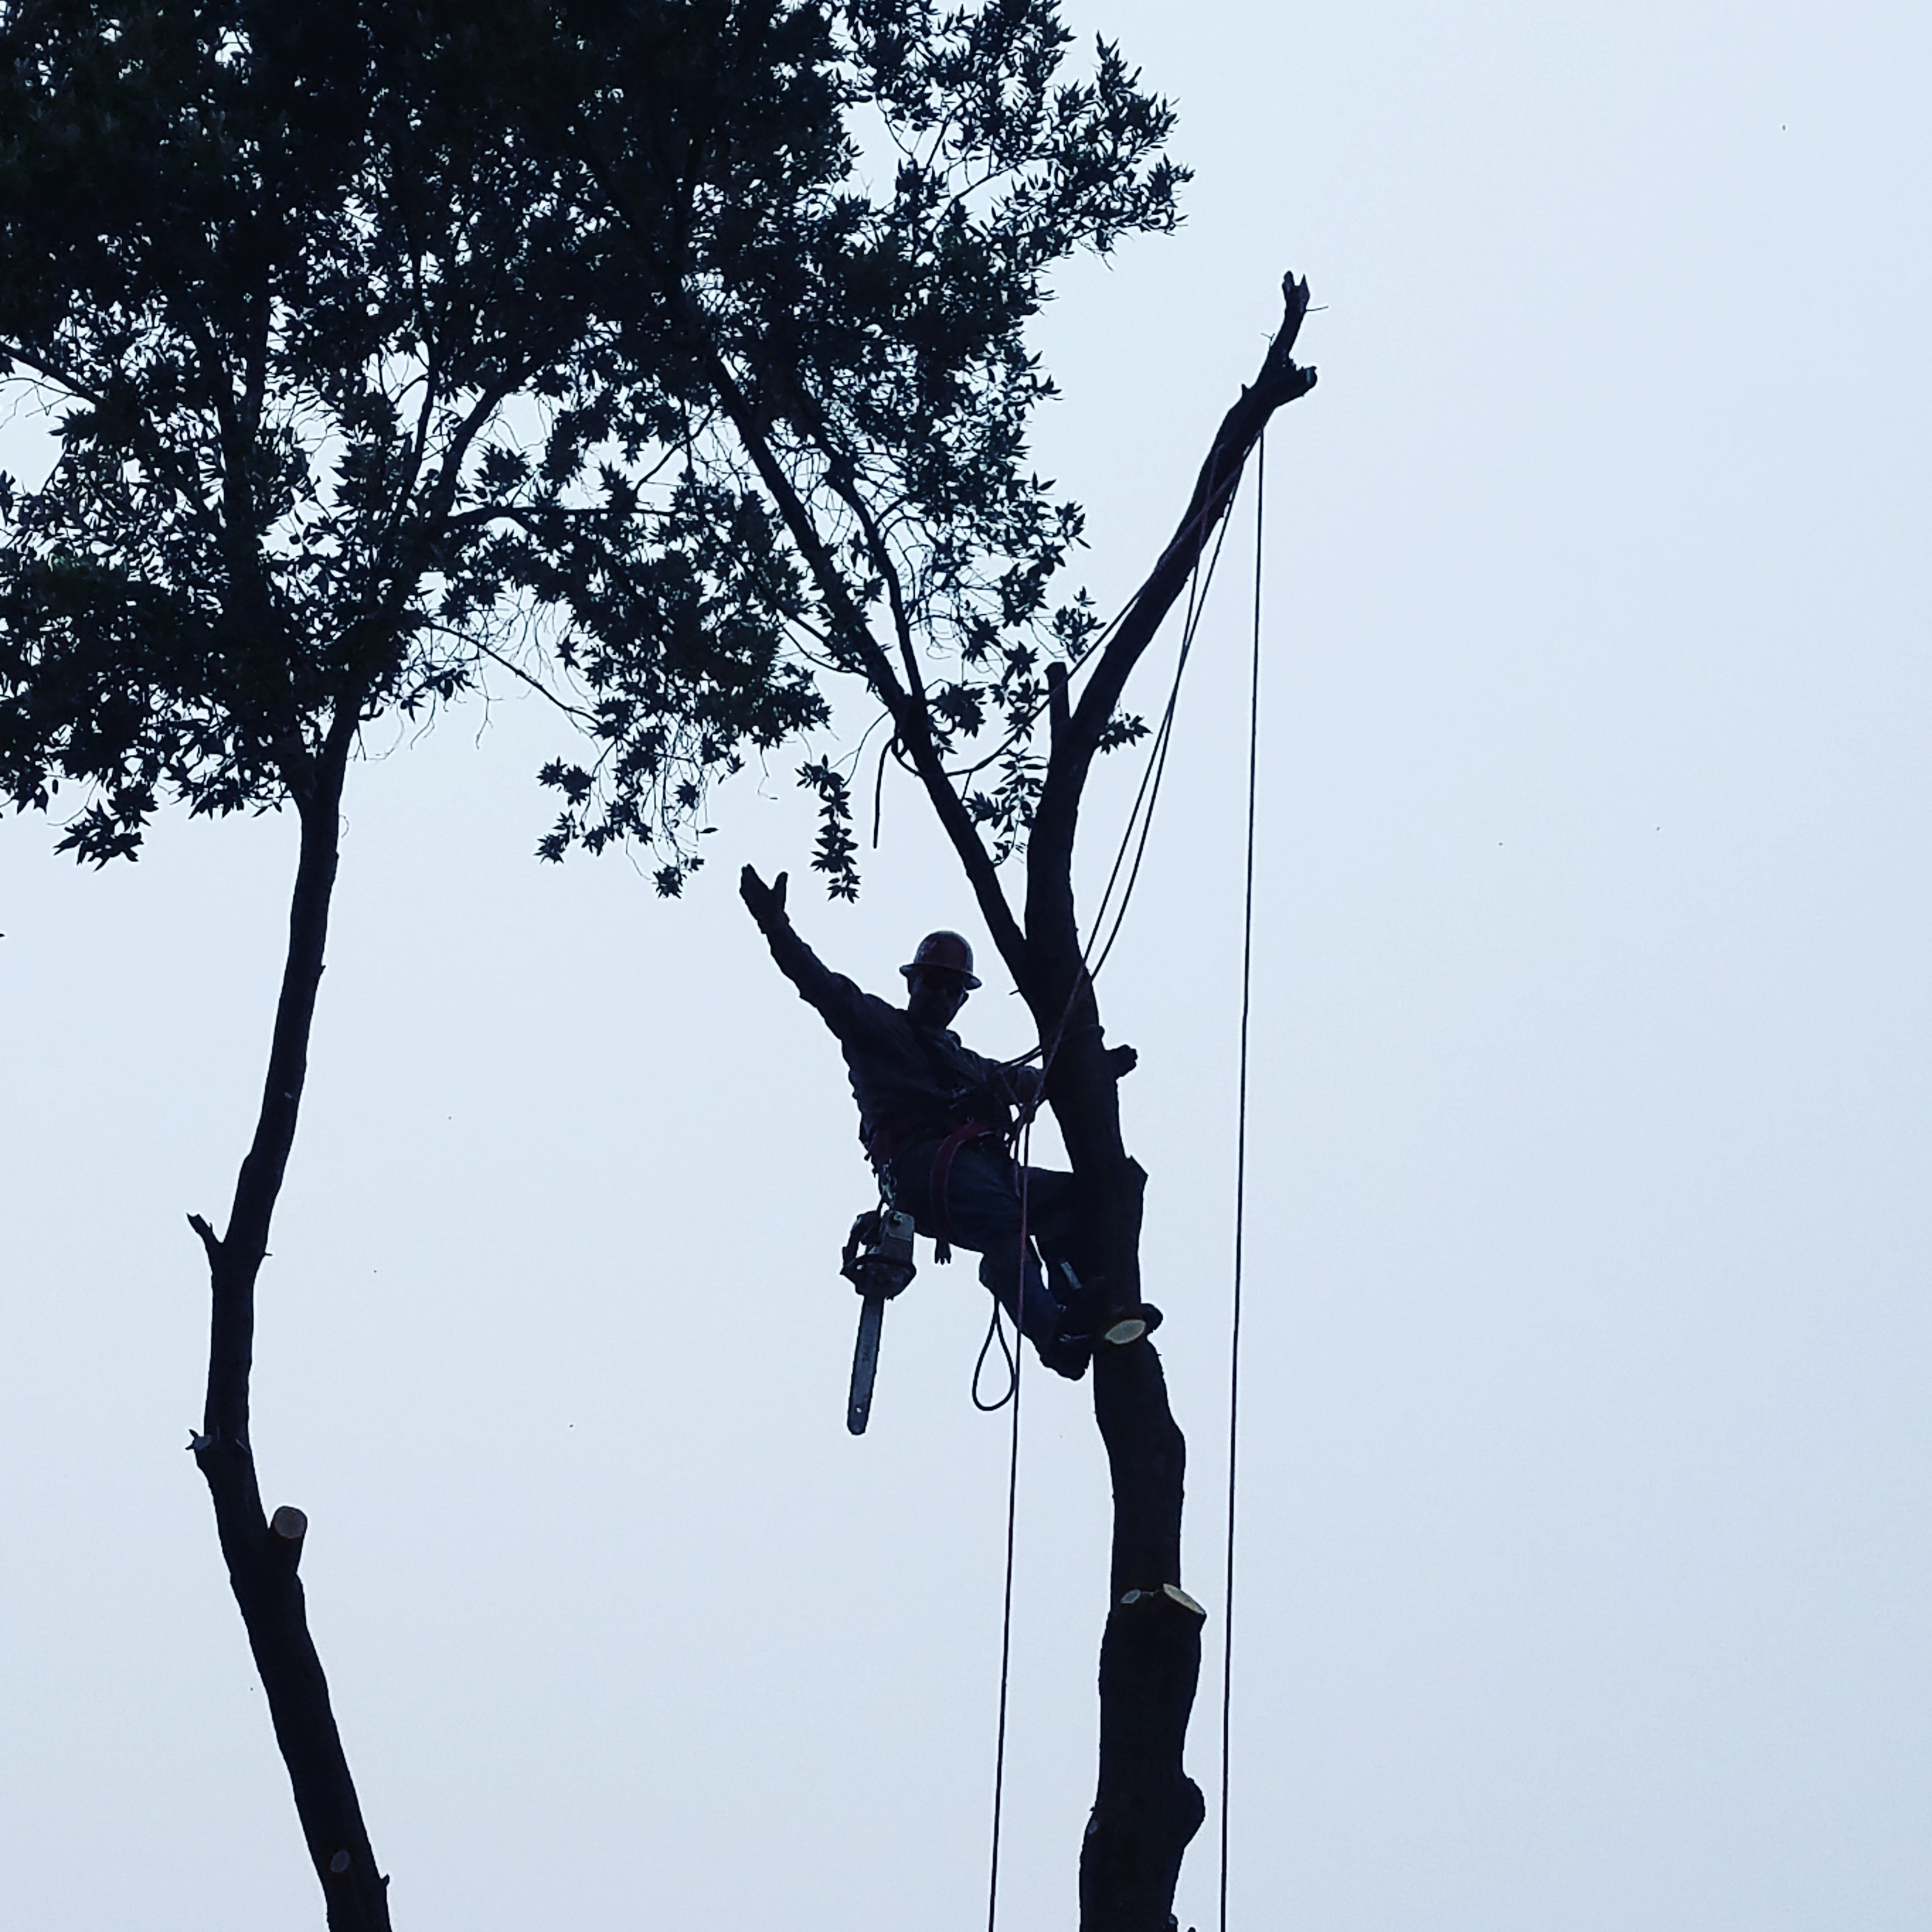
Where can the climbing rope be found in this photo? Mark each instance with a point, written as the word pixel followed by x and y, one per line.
pixel 995 1332
pixel 1013 1513
pixel 1149 791
pixel 1241 1171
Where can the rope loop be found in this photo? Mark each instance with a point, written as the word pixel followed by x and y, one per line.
pixel 995 1332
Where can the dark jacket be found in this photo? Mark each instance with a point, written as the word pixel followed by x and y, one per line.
pixel 911 1082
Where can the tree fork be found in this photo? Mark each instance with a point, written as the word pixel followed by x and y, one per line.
pixel 1053 953
pixel 263 1555
pixel 1146 1810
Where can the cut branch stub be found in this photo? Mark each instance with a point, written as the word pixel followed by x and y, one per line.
pixel 210 1240
pixel 1172 1592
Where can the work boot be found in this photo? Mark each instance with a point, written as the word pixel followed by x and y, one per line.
pixel 1066 1355
pixel 1084 1301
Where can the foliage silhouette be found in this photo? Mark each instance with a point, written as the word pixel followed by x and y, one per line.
pixel 669 357
pixel 343 429
pixel 860 354
pixel 335 407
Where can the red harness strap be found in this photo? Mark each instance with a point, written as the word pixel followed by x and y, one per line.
pixel 940 1186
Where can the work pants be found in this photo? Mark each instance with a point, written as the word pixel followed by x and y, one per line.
pixel 983 1212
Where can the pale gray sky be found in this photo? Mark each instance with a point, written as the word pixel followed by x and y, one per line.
pixel 1586 1583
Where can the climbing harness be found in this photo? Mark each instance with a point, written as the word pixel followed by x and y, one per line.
pixel 877 1257
pixel 939 1188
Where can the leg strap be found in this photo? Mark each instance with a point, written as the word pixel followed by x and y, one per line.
pixel 940 1186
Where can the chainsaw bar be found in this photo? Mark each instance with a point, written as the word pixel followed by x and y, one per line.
pixel 864 1362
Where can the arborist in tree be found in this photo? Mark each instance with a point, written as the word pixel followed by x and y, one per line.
pixel 935 1116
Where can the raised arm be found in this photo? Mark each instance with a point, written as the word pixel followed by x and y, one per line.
pixel 832 993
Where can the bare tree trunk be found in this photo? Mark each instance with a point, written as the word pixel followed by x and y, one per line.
pixel 262 1553
pixel 1146 1808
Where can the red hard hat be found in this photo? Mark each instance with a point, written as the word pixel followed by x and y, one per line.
pixel 944 952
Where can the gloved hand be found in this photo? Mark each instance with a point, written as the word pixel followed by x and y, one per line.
pixel 1121 1061
pixel 766 903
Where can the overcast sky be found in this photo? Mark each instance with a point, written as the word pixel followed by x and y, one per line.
pixel 1587 1458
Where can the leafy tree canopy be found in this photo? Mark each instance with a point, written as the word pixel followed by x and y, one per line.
pixel 665 353
pixel 342 422
pixel 849 349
